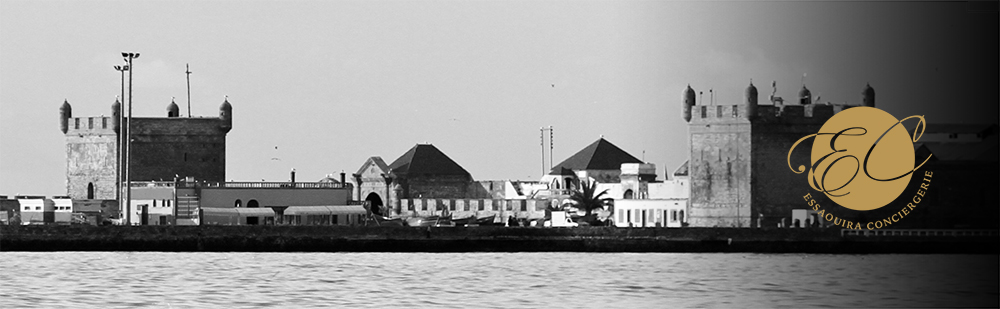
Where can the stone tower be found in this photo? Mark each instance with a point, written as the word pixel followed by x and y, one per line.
pixel 162 149
pixel 738 160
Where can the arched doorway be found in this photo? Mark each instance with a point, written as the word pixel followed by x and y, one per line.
pixel 238 203
pixel 375 203
pixel 628 194
pixel 90 191
pixel 253 204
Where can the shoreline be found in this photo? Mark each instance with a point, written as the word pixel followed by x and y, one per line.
pixel 477 239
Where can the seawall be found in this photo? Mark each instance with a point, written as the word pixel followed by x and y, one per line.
pixel 476 239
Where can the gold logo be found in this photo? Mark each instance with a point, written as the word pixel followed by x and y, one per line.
pixel 862 157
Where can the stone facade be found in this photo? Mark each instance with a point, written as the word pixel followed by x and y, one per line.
pixel 738 169
pixel 162 149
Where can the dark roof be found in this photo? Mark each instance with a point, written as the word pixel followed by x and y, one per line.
pixel 374 160
pixel 426 159
pixel 601 155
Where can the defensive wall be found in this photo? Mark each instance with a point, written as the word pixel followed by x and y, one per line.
pixel 480 239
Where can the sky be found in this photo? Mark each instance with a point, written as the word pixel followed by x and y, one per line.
pixel 323 85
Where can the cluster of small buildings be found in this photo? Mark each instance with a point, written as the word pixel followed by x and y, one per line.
pixel 736 176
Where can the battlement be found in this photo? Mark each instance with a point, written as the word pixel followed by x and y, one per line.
pixel 784 114
pixel 102 125
pixel 178 126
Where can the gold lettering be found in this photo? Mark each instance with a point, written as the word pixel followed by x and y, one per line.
pixel 869 226
pixel 924 185
pixel 829 217
pixel 878 224
pixel 894 217
pixel 920 192
pixel 886 221
pixel 916 199
pixel 816 207
pixel 808 196
pixel 910 205
pixel 928 174
pixel 905 211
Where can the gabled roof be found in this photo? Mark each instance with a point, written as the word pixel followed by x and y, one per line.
pixel 682 170
pixel 377 161
pixel 601 155
pixel 426 159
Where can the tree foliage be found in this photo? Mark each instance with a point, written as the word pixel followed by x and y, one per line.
pixel 587 198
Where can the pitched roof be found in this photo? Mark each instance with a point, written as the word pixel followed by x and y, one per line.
pixel 682 170
pixel 426 159
pixel 373 160
pixel 600 155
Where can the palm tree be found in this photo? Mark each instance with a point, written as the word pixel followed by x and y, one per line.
pixel 588 201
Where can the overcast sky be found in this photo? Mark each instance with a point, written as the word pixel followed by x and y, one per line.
pixel 332 83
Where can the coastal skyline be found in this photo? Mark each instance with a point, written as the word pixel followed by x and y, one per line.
pixel 322 86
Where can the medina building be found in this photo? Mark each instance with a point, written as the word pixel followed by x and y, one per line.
pixel 422 172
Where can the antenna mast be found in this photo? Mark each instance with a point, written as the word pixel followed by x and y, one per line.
pixel 187 71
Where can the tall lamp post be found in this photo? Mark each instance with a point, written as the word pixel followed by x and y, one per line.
pixel 120 157
pixel 129 56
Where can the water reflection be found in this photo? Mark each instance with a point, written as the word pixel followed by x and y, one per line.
pixel 494 280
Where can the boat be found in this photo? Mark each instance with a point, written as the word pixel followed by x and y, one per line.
pixel 386 221
pixel 486 221
pixel 427 221
pixel 465 221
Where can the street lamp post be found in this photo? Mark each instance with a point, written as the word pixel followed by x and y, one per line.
pixel 128 56
pixel 120 157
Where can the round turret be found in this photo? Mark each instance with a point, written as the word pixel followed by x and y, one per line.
pixel 688 102
pixel 226 115
pixel 805 97
pixel 868 96
pixel 173 110
pixel 116 112
pixel 65 113
pixel 751 101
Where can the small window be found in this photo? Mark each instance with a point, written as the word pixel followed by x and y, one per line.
pixel 90 123
pixel 76 123
pixel 38 207
pixel 718 111
pixel 524 206
pixel 736 111
pixel 104 123
pixel 704 111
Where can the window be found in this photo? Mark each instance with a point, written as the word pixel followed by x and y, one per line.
pixel 704 111
pixel 90 123
pixel 524 206
pixel 736 111
pixel 104 123
pixel 718 111
pixel 76 123
pixel 38 207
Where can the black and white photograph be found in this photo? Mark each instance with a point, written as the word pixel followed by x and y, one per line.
pixel 499 154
